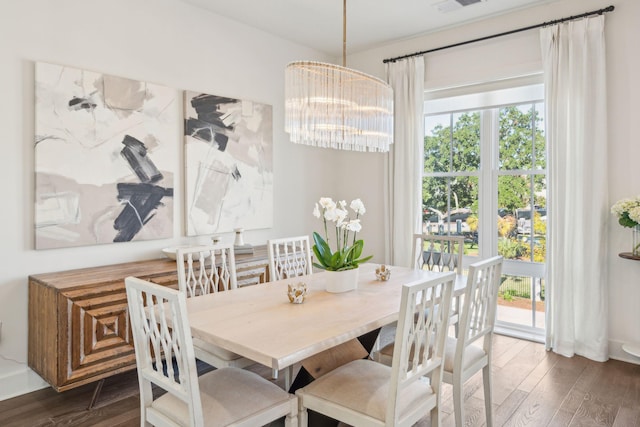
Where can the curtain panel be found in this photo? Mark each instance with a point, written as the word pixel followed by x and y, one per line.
pixel 403 172
pixel 573 55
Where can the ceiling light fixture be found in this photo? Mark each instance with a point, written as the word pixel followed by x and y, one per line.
pixel 330 106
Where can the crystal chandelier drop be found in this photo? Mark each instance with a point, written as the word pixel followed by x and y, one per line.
pixel 330 106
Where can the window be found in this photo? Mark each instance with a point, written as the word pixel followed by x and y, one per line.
pixel 485 178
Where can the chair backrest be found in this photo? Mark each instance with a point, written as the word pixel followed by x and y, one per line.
pixel 164 351
pixel 289 257
pixel 420 336
pixel 206 269
pixel 478 315
pixel 438 253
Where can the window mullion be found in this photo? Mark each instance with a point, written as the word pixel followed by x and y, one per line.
pixel 488 200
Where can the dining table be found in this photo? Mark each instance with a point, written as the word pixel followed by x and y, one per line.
pixel 260 323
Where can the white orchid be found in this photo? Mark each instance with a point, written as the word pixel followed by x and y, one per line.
pixel 348 248
pixel 358 206
pixel 327 203
pixel 331 214
pixel 354 225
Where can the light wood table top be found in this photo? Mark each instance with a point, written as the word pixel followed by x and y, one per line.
pixel 259 323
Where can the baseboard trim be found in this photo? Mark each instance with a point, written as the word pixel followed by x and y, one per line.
pixel 19 383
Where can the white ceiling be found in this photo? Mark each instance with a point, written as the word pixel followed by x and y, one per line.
pixel 318 23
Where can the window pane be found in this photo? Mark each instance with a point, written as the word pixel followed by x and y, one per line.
pixel 541 142
pixel 466 141
pixel 450 206
pixel 519 237
pixel 437 143
pixel 516 136
pixel 452 142
pixel 521 301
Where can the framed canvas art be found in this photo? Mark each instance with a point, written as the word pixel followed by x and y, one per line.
pixel 105 153
pixel 228 164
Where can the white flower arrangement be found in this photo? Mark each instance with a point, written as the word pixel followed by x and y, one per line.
pixel 628 211
pixel 347 249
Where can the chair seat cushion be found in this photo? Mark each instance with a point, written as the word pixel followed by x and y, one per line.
pixel 363 386
pixel 227 395
pixel 215 350
pixel 472 354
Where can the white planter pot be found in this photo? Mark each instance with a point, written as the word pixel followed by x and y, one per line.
pixel 341 281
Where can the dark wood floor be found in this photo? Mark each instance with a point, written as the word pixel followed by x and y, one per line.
pixel 532 387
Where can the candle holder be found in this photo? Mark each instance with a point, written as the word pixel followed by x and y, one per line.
pixel 383 273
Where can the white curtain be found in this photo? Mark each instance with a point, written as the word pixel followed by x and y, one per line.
pixel 573 56
pixel 403 172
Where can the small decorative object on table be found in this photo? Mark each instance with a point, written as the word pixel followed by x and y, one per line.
pixel 297 292
pixel 628 212
pixel 348 250
pixel 383 273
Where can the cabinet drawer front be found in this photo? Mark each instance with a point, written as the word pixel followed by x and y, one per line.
pixel 98 337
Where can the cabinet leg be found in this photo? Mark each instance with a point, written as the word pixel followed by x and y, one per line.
pixel 96 394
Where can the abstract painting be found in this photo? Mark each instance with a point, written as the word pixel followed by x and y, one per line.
pixel 105 153
pixel 228 164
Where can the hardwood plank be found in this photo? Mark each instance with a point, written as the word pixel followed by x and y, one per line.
pixel 628 417
pixel 508 407
pixel 513 350
pixel 600 405
pixel 575 397
pixel 515 371
pixel 539 372
pixel 545 398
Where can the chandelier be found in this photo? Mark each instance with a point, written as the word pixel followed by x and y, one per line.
pixel 330 106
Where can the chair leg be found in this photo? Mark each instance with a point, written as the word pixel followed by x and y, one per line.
pixel 291 420
pixel 488 406
pixel 303 417
pixel 458 401
pixel 435 416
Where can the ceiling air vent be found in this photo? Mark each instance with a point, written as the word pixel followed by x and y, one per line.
pixel 451 5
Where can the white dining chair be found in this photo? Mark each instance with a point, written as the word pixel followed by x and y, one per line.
pixel 289 257
pixel 203 270
pixel 438 253
pixel 434 253
pixel 364 392
pixel 463 356
pixel 471 350
pixel 165 358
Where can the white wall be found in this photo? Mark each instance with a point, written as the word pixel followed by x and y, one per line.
pixel 519 54
pixel 162 41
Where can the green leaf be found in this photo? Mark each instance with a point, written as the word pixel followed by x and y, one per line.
pixel 335 260
pixel 365 259
pixel 319 257
pixel 322 250
pixel 358 246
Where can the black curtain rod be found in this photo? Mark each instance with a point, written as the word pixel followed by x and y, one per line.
pixel 531 27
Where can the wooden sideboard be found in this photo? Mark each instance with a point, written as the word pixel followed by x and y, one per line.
pixel 78 321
